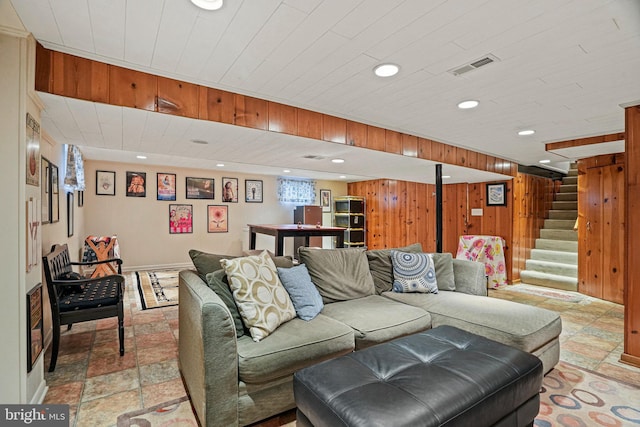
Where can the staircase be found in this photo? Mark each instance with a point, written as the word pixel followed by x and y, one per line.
pixel 554 261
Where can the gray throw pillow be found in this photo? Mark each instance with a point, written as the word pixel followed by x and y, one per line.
pixel 413 273
pixel 339 274
pixel 303 293
pixel 218 282
pixel 381 268
pixel 444 271
pixel 206 263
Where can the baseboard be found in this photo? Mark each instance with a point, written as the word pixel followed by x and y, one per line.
pixel 630 360
pixel 177 266
pixel 41 392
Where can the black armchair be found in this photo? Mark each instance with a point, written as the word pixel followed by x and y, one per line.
pixel 76 299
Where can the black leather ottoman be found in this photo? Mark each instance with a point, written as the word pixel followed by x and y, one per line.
pixel 441 377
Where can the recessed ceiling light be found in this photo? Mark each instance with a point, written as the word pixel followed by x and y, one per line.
pixel 337 160
pixel 386 70
pixel 465 105
pixel 446 176
pixel 343 176
pixel 208 4
pixel 545 161
pixel 286 170
pixel 526 132
pixel 141 157
pixel 220 165
pixel 200 141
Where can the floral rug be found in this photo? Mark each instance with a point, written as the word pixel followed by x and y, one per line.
pixel 573 396
pixel 157 288
pixel 174 413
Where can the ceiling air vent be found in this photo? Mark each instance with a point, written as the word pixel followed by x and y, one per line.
pixel 314 157
pixel 474 65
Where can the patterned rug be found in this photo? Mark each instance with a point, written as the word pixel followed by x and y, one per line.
pixel 157 288
pixel 566 296
pixel 174 413
pixel 573 396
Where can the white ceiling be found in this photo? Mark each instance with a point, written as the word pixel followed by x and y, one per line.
pixel 565 67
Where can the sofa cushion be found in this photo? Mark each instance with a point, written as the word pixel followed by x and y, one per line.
pixel 518 325
pixel 219 283
pixel 292 346
pixel 339 274
pixel 376 319
pixel 261 299
pixel 380 265
pixel 444 271
pixel 206 263
pixel 305 297
pixel 413 272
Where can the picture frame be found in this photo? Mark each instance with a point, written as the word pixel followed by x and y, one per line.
pixel 105 183
pixel 70 214
pixel 35 336
pixel 166 186
pixel 200 188
pixel 253 191
pixel 217 218
pixel 33 226
pixel 230 190
pixel 180 219
pixel 55 193
pixel 45 191
pixel 497 194
pixel 80 199
pixel 325 200
pixel 33 151
pixel 136 184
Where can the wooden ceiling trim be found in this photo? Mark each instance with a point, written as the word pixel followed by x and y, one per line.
pixel 599 139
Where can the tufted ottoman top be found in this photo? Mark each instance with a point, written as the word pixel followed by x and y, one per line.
pixel 444 376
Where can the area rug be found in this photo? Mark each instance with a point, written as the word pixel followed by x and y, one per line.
pixel 573 396
pixel 566 296
pixel 174 413
pixel 157 288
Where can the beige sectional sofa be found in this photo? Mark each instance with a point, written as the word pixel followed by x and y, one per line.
pixel 233 380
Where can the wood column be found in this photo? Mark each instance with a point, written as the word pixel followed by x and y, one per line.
pixel 631 353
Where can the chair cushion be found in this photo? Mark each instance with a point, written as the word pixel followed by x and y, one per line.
pixel 413 272
pixel 303 293
pixel 371 327
pixel 380 265
pixel 92 295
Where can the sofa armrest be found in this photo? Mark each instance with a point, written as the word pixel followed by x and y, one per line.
pixel 470 277
pixel 207 352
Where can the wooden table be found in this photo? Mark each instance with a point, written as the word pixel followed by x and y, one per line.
pixel 280 231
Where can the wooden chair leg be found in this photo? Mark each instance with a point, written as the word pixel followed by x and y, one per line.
pixel 121 327
pixel 55 345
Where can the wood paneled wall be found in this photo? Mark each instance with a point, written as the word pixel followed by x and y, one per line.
pixel 71 76
pixel 400 213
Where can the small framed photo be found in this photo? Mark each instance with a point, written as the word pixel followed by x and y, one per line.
pixel 325 200
pixel 166 186
pixel 200 188
pixel 45 190
pixel 80 199
pixel 70 214
pixel 55 194
pixel 33 151
pixel 136 184
pixel 497 194
pixel 253 190
pixel 35 336
pixel 106 183
pixel 180 219
pixel 230 190
pixel 217 218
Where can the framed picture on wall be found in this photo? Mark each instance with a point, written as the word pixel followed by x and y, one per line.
pixel 35 336
pixel 166 186
pixel 136 184
pixel 230 190
pixel 45 190
pixel 55 193
pixel 70 214
pixel 33 151
pixel 217 219
pixel 200 188
pixel 180 219
pixel 325 200
pixel 253 191
pixel 105 183
pixel 497 194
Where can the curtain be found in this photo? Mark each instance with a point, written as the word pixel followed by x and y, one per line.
pixel 74 174
pixel 299 191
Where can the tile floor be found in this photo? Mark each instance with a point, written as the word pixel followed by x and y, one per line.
pixel 99 385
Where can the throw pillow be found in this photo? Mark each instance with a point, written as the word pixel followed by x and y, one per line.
pixel 381 268
pixel 206 263
pixel 339 274
pixel 261 299
pixel 444 271
pixel 304 295
pixel 413 273
pixel 69 289
pixel 284 261
pixel 219 283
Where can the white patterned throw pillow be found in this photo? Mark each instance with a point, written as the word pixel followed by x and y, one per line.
pixel 413 272
pixel 262 300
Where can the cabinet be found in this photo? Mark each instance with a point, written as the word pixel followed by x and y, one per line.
pixel 311 215
pixel 349 213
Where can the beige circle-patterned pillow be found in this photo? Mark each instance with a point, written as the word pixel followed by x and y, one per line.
pixel 262 300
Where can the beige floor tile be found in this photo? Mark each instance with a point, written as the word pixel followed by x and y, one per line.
pixel 108 384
